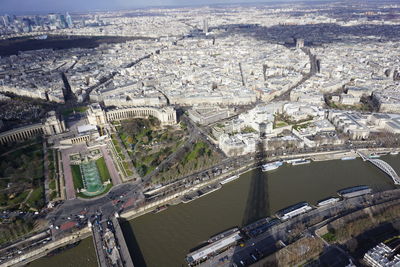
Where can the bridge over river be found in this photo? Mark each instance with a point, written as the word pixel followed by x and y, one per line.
pixel 383 166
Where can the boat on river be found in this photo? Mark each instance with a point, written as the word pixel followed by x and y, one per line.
pixel 271 166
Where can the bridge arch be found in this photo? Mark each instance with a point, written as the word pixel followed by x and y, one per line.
pixel 383 166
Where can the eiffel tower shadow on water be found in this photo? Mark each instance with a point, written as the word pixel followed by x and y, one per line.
pixel 257 207
pixel 257 204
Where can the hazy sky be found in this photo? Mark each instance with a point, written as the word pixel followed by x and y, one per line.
pixel 38 6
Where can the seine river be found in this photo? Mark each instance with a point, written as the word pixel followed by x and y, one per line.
pixel 163 239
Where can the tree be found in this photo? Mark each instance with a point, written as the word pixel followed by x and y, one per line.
pixel 142 170
pixel 3 199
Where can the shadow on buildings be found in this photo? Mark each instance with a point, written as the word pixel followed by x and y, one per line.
pixel 367 240
pixel 331 256
pixel 313 34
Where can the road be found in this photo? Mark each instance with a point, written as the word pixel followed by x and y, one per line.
pixel 312 72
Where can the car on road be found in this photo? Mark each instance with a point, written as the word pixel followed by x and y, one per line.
pixel 253 257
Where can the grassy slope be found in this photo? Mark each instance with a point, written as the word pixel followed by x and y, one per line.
pixel 103 171
pixel 77 176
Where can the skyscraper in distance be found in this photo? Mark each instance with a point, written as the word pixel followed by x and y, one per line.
pixel 52 19
pixel 6 20
pixel 205 26
pixel 62 21
pixel 69 21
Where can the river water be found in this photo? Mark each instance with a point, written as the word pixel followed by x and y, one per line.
pixel 163 239
pixel 83 255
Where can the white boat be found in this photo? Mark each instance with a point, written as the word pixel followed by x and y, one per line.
pixel 219 236
pixel 271 166
pixel 301 162
pixel 293 211
pixel 348 158
pixel 189 199
pixel 290 161
pixel 230 179
pixel 328 201
pixel 394 153
pixel 374 156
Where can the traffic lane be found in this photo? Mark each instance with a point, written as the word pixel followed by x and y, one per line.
pixel 123 190
pixel 90 207
pixel 252 253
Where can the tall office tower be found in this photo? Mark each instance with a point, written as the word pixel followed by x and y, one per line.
pixel 53 19
pixel 69 21
pixel 37 20
pixel 205 26
pixel 6 20
pixel 62 21
pixel 27 25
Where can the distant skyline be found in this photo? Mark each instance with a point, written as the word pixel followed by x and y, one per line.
pixel 45 6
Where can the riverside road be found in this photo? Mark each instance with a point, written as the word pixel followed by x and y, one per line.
pixel 128 196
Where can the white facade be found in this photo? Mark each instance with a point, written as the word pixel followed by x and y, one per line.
pixel 51 126
pixel 351 123
pixel 379 257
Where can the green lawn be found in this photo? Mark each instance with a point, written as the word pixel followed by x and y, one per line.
pixel 198 150
pixel 23 168
pixel 301 126
pixel 52 184
pixel 103 171
pixel 77 177
pixel 248 129
pixel 71 110
pixel 36 200
pixel 53 195
pixel 280 124
pixel 117 147
pixel 127 168
pixel 329 237
pixel 19 198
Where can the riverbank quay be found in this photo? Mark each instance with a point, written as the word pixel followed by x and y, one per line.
pixel 174 199
pixel 335 154
pixel 359 222
pixel 42 251
pixel 249 163
pixel 288 232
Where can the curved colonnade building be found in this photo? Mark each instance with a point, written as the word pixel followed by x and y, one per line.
pixel 95 115
pixel 52 125
pixel 166 115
